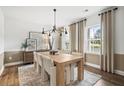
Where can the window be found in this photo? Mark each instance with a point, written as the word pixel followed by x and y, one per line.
pixel 94 39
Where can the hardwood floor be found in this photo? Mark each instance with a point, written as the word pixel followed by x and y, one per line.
pixel 103 82
pixel 107 78
pixel 10 77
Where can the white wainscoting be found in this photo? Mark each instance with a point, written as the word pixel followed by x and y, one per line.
pixel 119 72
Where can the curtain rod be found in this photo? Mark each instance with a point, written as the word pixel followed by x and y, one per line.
pixel 85 19
pixel 107 10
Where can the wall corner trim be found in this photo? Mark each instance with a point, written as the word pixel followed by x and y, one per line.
pixel 1 70
pixel 120 72
pixel 93 65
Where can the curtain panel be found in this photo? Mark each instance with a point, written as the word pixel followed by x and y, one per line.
pixel 77 36
pixel 107 47
pixel 81 30
pixel 73 36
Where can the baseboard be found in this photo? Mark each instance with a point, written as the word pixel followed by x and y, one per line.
pixel 119 72
pixel 1 70
pixel 14 63
pixel 93 65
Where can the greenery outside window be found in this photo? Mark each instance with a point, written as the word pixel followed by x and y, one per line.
pixel 94 39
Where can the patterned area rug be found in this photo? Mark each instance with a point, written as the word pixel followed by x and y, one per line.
pixel 29 77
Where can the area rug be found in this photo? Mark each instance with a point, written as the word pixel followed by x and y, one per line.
pixel 29 77
pixel 90 79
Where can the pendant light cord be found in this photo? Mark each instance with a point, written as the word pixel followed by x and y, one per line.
pixel 54 19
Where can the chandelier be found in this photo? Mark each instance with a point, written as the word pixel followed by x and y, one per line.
pixel 54 29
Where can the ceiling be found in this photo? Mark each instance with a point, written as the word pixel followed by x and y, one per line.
pixel 43 15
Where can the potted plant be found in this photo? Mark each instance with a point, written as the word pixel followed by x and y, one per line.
pixel 24 46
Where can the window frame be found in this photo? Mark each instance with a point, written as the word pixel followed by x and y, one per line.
pixel 88 40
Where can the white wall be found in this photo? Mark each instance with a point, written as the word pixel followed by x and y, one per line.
pixel 119 31
pixel 1 40
pixel 92 20
pixel 16 31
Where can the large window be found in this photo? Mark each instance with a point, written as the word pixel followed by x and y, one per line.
pixel 94 39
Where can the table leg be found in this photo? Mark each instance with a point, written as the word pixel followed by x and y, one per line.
pixel 80 70
pixel 60 78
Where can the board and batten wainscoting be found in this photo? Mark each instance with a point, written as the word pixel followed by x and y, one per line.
pixel 119 63
pixel 13 58
pixel 93 60
pixel 18 57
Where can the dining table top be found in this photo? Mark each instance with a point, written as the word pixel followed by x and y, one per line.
pixel 62 58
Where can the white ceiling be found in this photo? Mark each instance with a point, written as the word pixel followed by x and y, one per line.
pixel 43 15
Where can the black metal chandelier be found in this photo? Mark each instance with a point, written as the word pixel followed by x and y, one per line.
pixel 54 27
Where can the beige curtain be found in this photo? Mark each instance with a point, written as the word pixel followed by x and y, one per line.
pixel 77 41
pixel 73 36
pixel 77 33
pixel 81 29
pixel 107 49
pixel 60 43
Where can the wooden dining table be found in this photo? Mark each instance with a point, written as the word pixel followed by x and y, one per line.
pixel 61 61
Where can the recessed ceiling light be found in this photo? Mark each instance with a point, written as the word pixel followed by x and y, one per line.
pixel 86 10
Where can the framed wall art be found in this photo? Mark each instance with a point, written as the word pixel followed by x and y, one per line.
pixel 32 44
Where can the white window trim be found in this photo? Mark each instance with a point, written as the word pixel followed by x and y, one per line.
pixel 87 50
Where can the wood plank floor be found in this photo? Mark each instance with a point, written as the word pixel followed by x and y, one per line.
pixel 10 77
pixel 107 78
